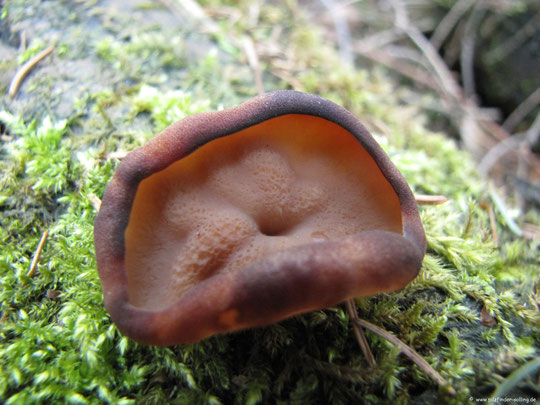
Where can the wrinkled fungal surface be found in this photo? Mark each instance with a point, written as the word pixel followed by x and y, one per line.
pixel 243 217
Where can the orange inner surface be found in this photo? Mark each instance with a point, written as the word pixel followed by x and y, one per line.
pixel 288 181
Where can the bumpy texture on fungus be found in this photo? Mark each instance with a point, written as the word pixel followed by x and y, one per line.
pixel 244 217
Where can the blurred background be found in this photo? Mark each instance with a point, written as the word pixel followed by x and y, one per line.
pixel 473 66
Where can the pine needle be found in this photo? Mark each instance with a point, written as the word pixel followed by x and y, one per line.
pixel 409 352
pixel 430 199
pixel 35 259
pixel 25 69
pixel 359 333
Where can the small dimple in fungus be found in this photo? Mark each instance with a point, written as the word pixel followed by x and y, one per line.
pixel 243 217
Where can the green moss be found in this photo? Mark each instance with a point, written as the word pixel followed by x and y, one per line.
pixel 166 108
pixel 133 53
pixel 35 47
pixel 62 346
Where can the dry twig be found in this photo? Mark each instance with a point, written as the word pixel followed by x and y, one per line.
pixel 415 35
pixel 492 221
pixel 430 199
pixel 449 22
pixel 24 42
pixel 25 69
pixel 522 110
pixel 478 132
pixel 533 133
pixel 495 154
pixel 409 352
pixel 377 41
pixel 501 207
pixel 359 333
pixel 516 40
pixel 253 60
pixel 401 67
pixel 468 44
pixel 35 259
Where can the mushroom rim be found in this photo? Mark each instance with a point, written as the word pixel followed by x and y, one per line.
pixel 183 138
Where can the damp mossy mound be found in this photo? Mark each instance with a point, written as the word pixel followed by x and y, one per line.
pixel 115 78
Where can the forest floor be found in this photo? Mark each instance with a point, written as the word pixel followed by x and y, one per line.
pixel 83 83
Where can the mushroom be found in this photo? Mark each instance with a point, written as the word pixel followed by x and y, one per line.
pixel 243 217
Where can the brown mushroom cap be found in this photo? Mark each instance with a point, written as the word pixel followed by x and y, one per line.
pixel 244 217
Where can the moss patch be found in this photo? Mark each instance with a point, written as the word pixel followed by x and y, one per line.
pixel 472 312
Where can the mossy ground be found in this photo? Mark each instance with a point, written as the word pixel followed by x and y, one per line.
pixel 114 80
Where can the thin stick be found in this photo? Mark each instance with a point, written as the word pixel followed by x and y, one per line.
pixel 288 78
pixel 25 69
pixel 409 352
pixel 468 223
pixel 501 207
pixel 449 21
pixel 359 333
pixel 430 199
pixel 514 41
pixel 442 72
pixel 401 67
pixel 488 207
pixel 522 111
pixel 253 60
pixel 493 224
pixel 377 41
pixel 496 153
pixel 468 44
pixel 22 47
pixel 33 265
pixel 528 369
pixel 533 133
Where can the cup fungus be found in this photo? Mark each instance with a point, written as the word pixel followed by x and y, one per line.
pixel 243 217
